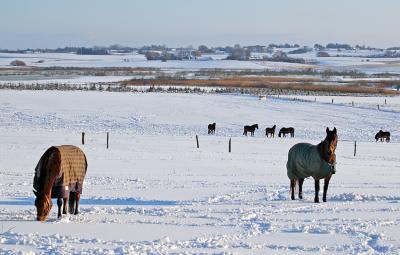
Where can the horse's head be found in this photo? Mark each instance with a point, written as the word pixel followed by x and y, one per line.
pixel 329 146
pixel 256 126
pixel 43 205
pixel 273 127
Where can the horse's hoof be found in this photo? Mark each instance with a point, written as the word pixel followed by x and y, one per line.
pixel 316 200
pixel 300 197
pixel 324 199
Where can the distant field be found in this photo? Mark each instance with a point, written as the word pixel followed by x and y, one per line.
pixel 349 60
pixel 277 84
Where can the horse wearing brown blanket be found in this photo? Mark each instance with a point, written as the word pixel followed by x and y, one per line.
pixel 59 174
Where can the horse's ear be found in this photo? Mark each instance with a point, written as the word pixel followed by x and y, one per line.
pixel 327 130
pixel 35 192
pixel 334 130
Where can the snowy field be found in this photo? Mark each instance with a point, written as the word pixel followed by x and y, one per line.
pixel 154 192
pixel 352 61
pixel 385 103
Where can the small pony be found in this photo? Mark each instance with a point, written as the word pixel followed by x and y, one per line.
pixel 211 128
pixel 270 131
pixel 382 135
pixel 250 129
pixel 318 161
pixel 59 174
pixel 283 131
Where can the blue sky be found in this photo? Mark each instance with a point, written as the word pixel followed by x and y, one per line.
pixel 56 23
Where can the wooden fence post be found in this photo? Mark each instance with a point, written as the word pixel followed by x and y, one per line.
pixel 352 103
pixel 197 140
pixel 230 144
pixel 83 138
pixel 385 100
pixel 378 106
pixel 332 100
pixel 355 148
pixel 108 136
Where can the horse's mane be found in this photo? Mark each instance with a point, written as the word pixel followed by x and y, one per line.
pixel 42 171
pixel 321 147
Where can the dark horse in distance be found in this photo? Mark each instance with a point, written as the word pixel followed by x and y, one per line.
pixel 283 131
pixel 270 131
pixel 59 174
pixel 211 128
pixel 318 161
pixel 250 129
pixel 382 135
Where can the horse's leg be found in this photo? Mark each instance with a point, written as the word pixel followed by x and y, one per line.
pixel 292 185
pixel 316 199
pixel 72 198
pixel 326 184
pixel 301 188
pixel 59 204
pixel 65 201
pixel 78 196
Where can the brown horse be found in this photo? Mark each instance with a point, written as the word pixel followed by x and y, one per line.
pixel 250 129
pixel 59 174
pixel 211 128
pixel 283 131
pixel 270 131
pixel 318 161
pixel 382 135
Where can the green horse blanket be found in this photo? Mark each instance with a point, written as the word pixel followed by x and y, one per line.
pixel 304 160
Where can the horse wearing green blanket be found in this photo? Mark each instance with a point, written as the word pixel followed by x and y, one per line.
pixel 318 161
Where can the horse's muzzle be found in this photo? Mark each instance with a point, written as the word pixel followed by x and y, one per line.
pixel 41 218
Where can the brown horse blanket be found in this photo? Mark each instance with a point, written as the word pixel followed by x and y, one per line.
pixel 72 171
pixel 304 160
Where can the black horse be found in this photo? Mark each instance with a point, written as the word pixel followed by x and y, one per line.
pixel 318 161
pixel 283 131
pixel 270 131
pixel 211 128
pixel 382 135
pixel 250 129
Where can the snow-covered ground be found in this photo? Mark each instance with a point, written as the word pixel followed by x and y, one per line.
pixel 348 60
pixel 128 60
pixel 154 192
pixel 78 80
